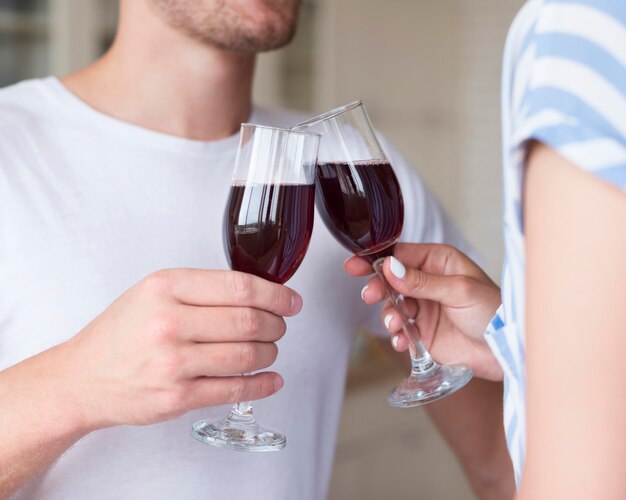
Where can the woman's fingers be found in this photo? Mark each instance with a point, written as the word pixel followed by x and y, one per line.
pixel 392 320
pixel 431 255
pixel 411 282
pixel 438 259
pixel 357 266
pixel 399 342
pixel 373 291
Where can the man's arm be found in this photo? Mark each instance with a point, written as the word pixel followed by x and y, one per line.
pixel 174 342
pixel 40 417
pixel 471 422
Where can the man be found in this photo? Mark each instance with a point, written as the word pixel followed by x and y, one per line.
pixel 112 183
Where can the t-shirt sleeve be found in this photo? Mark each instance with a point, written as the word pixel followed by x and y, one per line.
pixel 574 85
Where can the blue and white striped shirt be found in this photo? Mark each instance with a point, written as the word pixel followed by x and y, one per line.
pixel 564 84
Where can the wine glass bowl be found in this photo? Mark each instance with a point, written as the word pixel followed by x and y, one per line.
pixel 360 201
pixel 361 204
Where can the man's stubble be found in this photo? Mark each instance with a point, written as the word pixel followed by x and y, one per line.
pixel 226 24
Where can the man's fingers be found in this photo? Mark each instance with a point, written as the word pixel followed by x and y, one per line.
pixel 215 360
pixel 202 287
pixel 223 390
pixel 233 324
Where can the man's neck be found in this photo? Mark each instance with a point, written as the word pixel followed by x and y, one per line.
pixel 160 79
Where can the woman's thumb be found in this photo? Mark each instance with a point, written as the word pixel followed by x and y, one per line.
pixel 419 284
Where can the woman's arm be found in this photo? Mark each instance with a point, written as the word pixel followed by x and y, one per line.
pixel 575 227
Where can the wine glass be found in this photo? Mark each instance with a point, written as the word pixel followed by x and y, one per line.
pixel 360 201
pixel 267 227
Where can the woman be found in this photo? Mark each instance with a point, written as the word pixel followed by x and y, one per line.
pixel 559 336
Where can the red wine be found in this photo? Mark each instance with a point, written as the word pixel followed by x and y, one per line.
pixel 268 228
pixel 361 204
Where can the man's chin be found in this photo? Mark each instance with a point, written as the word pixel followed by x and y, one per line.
pixel 245 26
pixel 251 41
pixel 268 24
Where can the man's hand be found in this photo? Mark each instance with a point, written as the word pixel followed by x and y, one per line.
pixel 176 341
pixel 452 298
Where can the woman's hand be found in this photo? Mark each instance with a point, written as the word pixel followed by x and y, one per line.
pixel 452 299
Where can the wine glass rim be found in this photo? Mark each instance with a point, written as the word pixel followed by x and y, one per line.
pixel 280 129
pixel 328 114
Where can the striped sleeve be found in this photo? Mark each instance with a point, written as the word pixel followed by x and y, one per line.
pixel 575 97
pixel 503 340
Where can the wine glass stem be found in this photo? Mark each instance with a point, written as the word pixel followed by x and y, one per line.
pixel 242 412
pixel 421 360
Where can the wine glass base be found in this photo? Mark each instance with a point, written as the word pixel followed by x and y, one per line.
pixel 248 436
pixel 435 383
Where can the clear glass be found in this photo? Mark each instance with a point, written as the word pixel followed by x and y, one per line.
pixel 360 201
pixel 267 227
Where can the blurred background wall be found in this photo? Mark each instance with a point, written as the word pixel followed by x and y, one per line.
pixel 429 72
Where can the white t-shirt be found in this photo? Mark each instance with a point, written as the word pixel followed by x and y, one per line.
pixel 89 205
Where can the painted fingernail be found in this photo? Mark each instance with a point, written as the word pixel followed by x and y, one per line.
pixel 395 340
pixel 296 303
pixel 363 291
pixel 396 268
pixel 387 320
pixel 278 383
